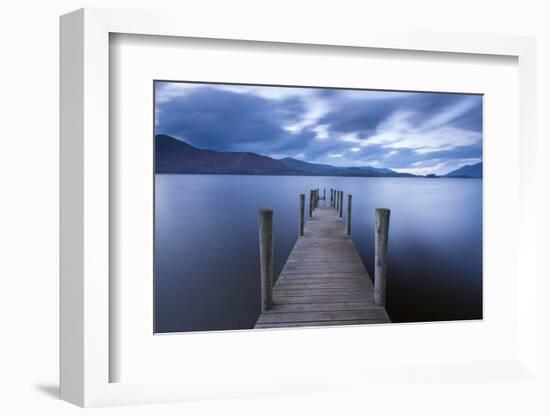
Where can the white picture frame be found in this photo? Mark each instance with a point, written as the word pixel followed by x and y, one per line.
pixel 85 201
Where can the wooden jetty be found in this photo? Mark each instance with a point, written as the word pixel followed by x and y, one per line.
pixel 323 281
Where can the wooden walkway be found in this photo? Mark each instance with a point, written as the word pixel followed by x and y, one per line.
pixel 324 281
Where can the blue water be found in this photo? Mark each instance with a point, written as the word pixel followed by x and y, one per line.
pixel 207 256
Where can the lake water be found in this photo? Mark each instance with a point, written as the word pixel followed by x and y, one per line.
pixel 207 256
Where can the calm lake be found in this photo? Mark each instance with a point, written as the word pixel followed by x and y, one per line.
pixel 207 255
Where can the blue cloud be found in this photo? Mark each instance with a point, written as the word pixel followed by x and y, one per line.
pixel 389 129
pixel 364 116
pixel 222 120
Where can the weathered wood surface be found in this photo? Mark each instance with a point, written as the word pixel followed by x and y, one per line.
pixel 302 219
pixel 265 223
pixel 382 224
pixel 324 281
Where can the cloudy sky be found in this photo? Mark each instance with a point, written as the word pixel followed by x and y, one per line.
pixel 408 132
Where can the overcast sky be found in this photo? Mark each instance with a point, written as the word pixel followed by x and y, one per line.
pixel 408 132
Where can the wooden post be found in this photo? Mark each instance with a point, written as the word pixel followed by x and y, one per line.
pixel 336 193
pixel 349 215
pixel 314 198
pixel 325 194
pixel 382 225
pixel 265 223
pixel 341 203
pixel 302 209
pixel 310 204
pixel 317 193
pixel 331 196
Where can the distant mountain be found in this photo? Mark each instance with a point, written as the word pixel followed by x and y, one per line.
pixel 467 171
pixel 320 169
pixel 306 166
pixel 176 156
pixel 370 171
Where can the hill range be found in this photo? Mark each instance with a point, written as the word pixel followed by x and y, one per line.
pixel 176 156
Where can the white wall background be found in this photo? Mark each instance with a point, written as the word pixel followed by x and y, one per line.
pixel 29 208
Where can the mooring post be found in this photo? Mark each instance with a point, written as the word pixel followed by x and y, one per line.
pixel 331 196
pixel 382 225
pixel 314 198
pixel 325 194
pixel 302 213
pixel 336 200
pixel 349 215
pixel 265 223
pixel 341 203
pixel 310 204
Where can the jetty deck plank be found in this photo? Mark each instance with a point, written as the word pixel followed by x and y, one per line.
pixel 324 281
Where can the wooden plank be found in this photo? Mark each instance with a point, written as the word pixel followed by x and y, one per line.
pixel 318 316
pixel 330 275
pixel 320 281
pixel 322 292
pixel 322 298
pixel 325 267
pixel 324 306
pixel 341 284
pixel 337 266
pixel 310 258
pixel 321 323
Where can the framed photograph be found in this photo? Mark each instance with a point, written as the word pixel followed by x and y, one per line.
pixel 224 151
pixel 241 210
